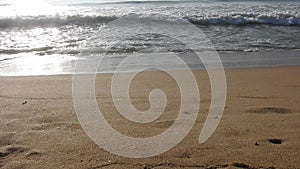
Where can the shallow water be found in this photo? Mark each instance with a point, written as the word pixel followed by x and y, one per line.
pixel 55 32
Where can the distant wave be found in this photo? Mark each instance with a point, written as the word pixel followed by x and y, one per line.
pixel 53 21
pixel 16 51
pixel 139 2
pixel 171 1
pixel 247 19
pixel 233 19
pixel 5 4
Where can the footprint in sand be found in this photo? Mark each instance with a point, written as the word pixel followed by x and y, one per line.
pixel 9 153
pixel 10 150
pixel 266 110
pixel 33 153
pixel 56 125
pixel 275 141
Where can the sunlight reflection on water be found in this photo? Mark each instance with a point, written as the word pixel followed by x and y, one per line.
pixel 29 64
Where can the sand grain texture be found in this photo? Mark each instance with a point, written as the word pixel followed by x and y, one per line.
pixel 39 127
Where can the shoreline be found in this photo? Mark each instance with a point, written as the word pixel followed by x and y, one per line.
pixel 230 60
pixel 154 71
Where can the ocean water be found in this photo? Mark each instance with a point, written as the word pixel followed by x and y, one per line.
pixel 39 36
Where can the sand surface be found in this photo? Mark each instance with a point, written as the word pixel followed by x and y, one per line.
pixel 39 127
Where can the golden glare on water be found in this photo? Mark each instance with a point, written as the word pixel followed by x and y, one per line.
pixel 32 7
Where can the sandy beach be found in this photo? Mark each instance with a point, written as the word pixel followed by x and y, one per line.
pixel 259 129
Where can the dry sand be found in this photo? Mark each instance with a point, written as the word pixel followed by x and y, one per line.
pixel 39 127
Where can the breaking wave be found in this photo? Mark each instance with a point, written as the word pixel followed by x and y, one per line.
pixel 233 19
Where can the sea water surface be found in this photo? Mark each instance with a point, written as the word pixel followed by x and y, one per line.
pixel 39 37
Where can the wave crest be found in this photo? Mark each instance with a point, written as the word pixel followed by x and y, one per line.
pixel 233 19
pixel 247 19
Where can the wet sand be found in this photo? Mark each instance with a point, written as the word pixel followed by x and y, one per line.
pixel 260 126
